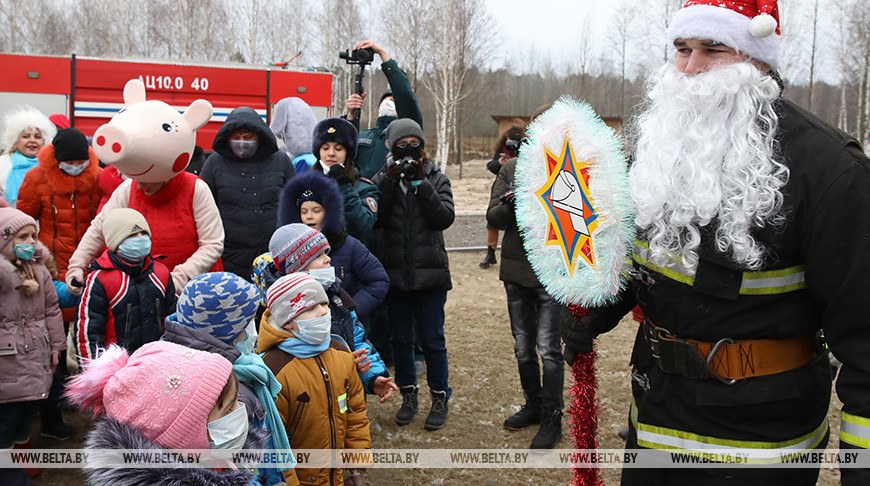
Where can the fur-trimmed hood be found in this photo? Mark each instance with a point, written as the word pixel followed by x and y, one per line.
pixel 326 192
pixel 60 181
pixel 108 433
pixel 8 271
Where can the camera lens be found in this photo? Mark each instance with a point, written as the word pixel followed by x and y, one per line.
pixel 409 171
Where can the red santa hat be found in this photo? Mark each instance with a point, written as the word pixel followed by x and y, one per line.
pixel 748 26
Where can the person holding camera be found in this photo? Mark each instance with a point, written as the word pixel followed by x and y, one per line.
pixel 416 206
pixel 534 316
pixel 507 146
pixel 397 102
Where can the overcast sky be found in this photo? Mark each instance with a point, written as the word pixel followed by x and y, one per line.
pixel 552 26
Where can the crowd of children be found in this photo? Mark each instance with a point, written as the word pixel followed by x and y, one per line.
pixel 171 352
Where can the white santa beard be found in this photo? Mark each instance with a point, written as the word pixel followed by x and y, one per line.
pixel 706 152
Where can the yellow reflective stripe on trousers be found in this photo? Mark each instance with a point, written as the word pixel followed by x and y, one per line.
pixel 754 283
pixel 657 437
pixel 855 430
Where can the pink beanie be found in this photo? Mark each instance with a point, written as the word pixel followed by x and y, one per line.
pixel 163 389
pixel 11 221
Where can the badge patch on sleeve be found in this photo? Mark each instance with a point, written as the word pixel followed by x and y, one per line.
pixel 372 203
pixel 342 402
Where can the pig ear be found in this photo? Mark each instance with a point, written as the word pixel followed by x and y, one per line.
pixel 198 114
pixel 134 92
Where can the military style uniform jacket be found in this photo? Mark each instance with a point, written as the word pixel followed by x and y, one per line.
pixel 815 278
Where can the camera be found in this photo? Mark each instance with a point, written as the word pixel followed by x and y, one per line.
pixel 512 147
pixel 362 57
pixel 409 170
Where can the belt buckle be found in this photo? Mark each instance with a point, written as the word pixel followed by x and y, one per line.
pixel 653 333
pixel 710 359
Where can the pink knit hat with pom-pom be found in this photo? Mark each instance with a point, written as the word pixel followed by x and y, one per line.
pixel 164 390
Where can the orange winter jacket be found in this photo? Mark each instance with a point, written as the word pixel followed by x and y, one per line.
pixel 63 205
pixel 322 404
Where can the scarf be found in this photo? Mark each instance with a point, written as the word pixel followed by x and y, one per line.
pixel 20 165
pixel 251 370
pixel 301 349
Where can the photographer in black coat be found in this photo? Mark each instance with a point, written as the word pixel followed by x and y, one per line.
pixel 416 205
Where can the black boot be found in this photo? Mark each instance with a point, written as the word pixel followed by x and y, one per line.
pixel 550 432
pixel 53 425
pixel 489 259
pixel 409 405
pixel 528 415
pixel 438 413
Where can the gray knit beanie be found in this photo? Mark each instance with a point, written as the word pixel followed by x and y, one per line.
pixel 404 127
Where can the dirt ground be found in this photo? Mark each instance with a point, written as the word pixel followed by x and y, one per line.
pixel 484 377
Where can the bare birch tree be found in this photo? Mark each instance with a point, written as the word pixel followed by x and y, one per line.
pixel 407 35
pixel 622 25
pixel 460 40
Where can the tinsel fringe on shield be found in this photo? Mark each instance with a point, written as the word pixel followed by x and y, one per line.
pixel 592 140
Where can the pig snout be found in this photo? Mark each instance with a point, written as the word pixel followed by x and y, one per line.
pixel 110 143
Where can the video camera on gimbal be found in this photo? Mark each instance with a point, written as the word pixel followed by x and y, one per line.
pixel 361 58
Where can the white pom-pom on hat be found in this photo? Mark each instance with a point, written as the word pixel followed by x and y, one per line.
pixel 762 26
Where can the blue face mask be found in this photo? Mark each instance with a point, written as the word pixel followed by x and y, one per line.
pixel 24 252
pixel 324 276
pixel 73 169
pixel 134 249
pixel 315 331
pixel 246 345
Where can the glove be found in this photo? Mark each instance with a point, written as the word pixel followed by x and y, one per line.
pixel 577 334
pixel 509 198
pixel 339 173
pixel 75 280
pixel 394 172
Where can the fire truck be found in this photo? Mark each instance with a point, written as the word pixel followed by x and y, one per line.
pixel 90 91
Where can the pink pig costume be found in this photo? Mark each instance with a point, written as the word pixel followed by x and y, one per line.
pixel 151 142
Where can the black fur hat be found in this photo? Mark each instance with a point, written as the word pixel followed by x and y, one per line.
pixel 336 130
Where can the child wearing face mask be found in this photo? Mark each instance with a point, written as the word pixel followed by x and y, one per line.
pixel 298 248
pixel 31 332
pixel 245 174
pixel 164 396
pixel 322 400
pixel 127 293
pixel 62 193
pixel 215 312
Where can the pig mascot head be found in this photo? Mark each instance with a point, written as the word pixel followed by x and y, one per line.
pixel 150 141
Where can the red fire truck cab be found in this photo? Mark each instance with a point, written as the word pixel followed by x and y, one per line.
pixel 90 91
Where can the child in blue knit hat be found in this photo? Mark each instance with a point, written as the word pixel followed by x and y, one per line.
pixel 215 314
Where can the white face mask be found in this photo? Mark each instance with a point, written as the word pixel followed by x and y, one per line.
pixel 324 276
pixel 230 431
pixel 315 331
pixel 387 108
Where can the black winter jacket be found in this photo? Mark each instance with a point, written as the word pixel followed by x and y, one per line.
pixel 515 266
pixel 122 304
pixel 246 190
pixel 815 278
pixel 412 244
